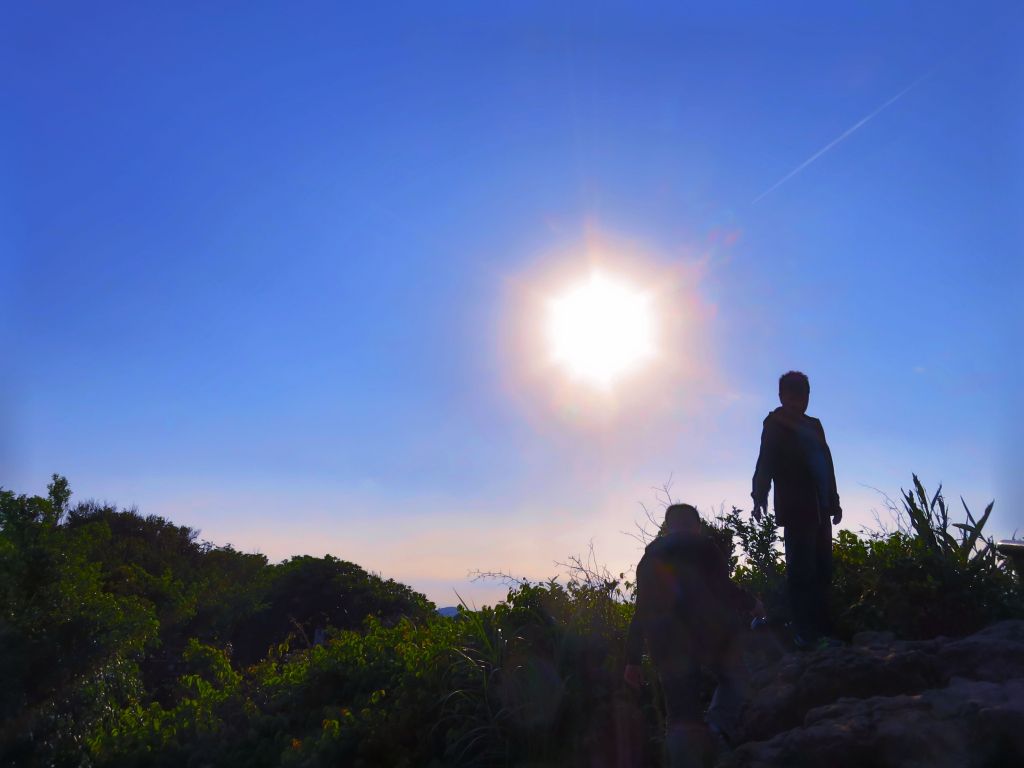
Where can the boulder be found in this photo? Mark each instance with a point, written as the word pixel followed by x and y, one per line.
pixel 886 702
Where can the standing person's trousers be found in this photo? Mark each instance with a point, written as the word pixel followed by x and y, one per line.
pixel 809 577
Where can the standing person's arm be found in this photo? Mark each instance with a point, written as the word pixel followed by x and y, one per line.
pixel 837 510
pixel 764 471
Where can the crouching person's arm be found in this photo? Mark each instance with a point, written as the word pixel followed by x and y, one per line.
pixel 633 674
pixel 725 589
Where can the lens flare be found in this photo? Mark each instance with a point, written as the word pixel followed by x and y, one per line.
pixel 611 338
pixel 601 330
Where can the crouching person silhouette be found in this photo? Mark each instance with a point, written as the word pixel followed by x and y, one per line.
pixel 691 616
pixel 796 458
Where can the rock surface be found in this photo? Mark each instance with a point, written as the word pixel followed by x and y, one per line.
pixel 883 702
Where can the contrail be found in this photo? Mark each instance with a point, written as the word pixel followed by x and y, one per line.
pixel 841 136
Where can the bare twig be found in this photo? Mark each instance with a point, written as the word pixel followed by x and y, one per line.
pixel 894 510
pixel 506 578
pixel 587 570
pixel 649 522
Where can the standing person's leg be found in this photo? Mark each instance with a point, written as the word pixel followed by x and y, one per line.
pixel 801 565
pixel 823 577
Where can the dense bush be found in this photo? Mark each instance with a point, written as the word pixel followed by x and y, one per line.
pixel 759 566
pixel 929 577
pixel 104 612
pixel 125 641
pixel 922 580
pixel 304 595
pixel 534 680
pixel 69 647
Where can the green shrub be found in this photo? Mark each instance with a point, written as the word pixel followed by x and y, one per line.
pixel 922 580
pixel 126 642
pixel 931 577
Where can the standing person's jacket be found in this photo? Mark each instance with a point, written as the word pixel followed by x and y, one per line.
pixel 687 608
pixel 796 457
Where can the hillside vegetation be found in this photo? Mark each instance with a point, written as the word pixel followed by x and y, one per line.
pixel 125 640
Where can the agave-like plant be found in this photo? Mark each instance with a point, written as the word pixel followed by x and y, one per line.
pixel 930 519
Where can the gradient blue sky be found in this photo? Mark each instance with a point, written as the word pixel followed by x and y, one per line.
pixel 264 266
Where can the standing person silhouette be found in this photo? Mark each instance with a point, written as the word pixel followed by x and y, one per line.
pixel 796 458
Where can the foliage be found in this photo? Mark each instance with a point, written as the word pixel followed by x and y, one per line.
pixel 539 675
pixel 126 641
pixel 921 581
pixel 68 647
pixel 116 630
pixel 930 520
pixel 304 594
pixel 761 568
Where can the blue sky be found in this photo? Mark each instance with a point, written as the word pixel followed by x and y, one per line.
pixel 264 265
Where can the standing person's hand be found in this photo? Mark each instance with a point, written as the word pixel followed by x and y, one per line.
pixel 837 516
pixel 633 676
pixel 757 512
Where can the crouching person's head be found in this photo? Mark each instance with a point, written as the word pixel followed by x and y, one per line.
pixel 681 518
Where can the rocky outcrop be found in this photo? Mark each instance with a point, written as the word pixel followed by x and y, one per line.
pixel 882 702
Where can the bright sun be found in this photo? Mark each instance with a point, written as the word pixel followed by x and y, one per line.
pixel 601 330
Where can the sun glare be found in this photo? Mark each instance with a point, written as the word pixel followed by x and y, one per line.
pixel 601 330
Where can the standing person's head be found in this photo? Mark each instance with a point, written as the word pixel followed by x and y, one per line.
pixel 794 392
pixel 682 518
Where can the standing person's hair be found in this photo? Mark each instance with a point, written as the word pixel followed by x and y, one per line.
pixel 794 383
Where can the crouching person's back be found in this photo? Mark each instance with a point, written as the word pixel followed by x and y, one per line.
pixel 690 614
